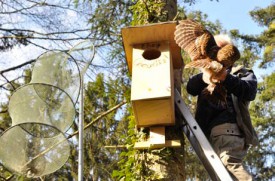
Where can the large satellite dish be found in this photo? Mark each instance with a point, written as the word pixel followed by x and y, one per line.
pixel 42 111
pixel 33 150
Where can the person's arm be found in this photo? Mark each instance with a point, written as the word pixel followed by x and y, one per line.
pixel 195 85
pixel 244 88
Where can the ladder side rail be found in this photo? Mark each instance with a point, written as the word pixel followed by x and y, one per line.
pixel 200 154
pixel 209 153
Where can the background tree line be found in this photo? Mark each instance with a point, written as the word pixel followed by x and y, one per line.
pixel 34 26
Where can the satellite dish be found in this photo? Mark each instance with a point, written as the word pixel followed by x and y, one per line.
pixel 42 111
pixel 58 69
pixel 42 103
pixel 34 149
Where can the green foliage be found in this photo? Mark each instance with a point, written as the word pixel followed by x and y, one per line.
pixel 108 18
pixel 193 167
pixel 118 128
pixel 12 39
pixel 268 88
pixel 101 95
pixel 132 165
pixel 263 42
pixel 260 159
pixel 149 11
pixel 137 164
pixel 248 57
pixel 264 16
pixel 213 27
pixel 128 170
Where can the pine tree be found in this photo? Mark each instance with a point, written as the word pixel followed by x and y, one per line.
pixel 109 152
pixel 260 158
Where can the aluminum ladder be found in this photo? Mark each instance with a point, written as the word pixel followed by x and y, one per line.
pixel 199 142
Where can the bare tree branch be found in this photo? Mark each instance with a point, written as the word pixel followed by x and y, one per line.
pixel 4 111
pixel 19 10
pixel 99 117
pixel 9 178
pixel 76 132
pixel 18 66
pixel 44 34
pixel 8 81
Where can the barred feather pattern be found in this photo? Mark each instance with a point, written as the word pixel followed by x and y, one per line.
pixel 194 39
pixel 206 55
pixel 186 34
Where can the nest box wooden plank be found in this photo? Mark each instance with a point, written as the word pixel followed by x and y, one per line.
pixel 152 55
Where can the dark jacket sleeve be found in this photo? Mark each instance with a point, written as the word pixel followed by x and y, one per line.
pixel 195 85
pixel 242 85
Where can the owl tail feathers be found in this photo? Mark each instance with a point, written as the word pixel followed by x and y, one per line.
pixel 216 94
pixel 203 63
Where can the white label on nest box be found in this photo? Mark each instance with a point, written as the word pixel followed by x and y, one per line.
pixel 151 76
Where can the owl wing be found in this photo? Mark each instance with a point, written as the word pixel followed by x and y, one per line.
pixel 187 34
pixel 200 63
pixel 207 63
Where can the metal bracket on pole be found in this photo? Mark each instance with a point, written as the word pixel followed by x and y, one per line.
pixel 199 142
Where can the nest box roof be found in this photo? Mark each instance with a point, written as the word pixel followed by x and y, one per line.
pixel 151 33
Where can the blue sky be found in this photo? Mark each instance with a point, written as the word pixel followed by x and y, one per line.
pixel 234 14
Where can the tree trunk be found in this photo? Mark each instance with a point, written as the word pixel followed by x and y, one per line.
pixel 171 8
pixel 167 164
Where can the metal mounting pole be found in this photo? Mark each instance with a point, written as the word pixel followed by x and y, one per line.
pixel 82 46
pixel 81 130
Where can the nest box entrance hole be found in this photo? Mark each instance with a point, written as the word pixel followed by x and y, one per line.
pixel 151 54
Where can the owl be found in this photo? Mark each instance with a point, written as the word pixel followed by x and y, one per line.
pixel 211 55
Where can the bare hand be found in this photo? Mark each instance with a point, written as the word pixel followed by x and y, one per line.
pixel 221 76
pixel 211 78
pixel 206 77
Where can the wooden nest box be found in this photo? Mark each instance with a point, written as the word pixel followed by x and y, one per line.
pixel 152 55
